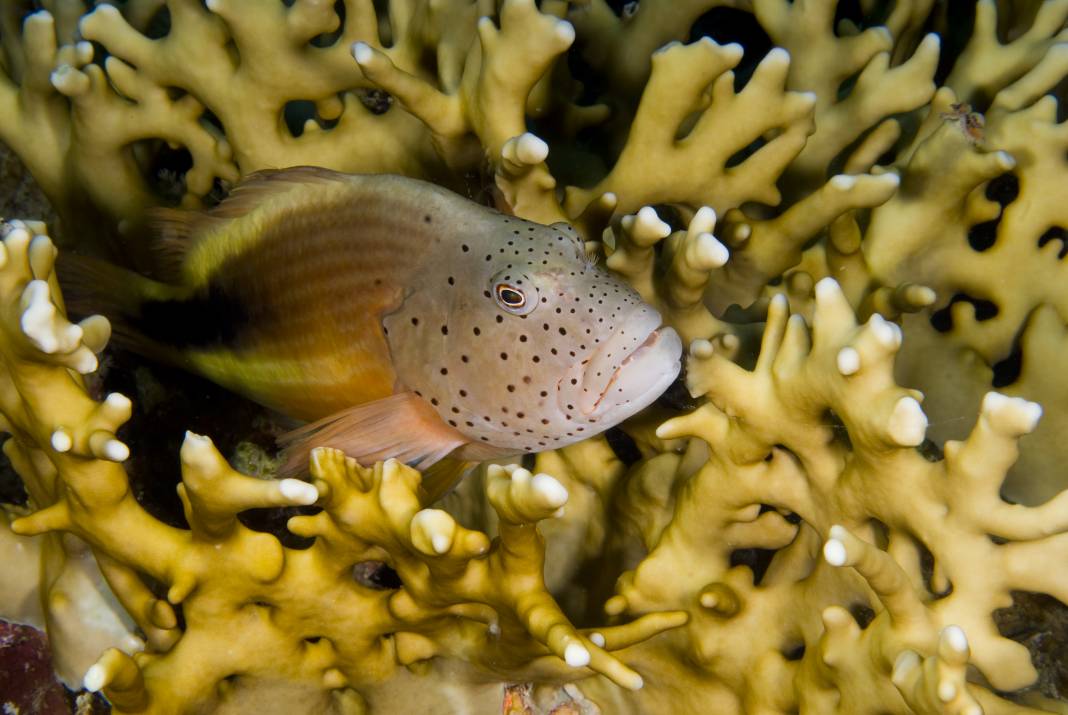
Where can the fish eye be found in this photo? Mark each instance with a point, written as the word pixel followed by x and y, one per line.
pixel 513 292
pixel 510 297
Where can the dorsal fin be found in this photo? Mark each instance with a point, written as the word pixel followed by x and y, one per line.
pixel 253 189
pixel 177 231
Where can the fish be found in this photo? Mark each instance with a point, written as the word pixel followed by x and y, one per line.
pixel 392 316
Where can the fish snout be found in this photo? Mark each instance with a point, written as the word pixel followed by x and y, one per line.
pixel 623 372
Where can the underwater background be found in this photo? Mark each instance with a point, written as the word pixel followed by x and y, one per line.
pixel 851 501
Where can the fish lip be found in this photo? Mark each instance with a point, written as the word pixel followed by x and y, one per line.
pixel 650 342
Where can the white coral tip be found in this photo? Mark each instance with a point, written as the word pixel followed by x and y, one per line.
pixel 118 401
pixel 647 220
pixel 848 361
pixel 576 655
pixel 837 531
pixel 710 252
pixel 38 317
pixel 297 492
pixel 116 451
pixel 778 55
pixel 440 542
pixel 62 440
pixel 1005 160
pixel 704 220
pixel 702 349
pixel 95 678
pixel 887 334
pixel 196 449
pixel 890 177
pixel 83 52
pixel 362 53
pixel 946 691
pixel 834 552
pixel 906 662
pixel 733 51
pixel 565 32
pixel 85 362
pixel 1022 414
pixel 551 492
pixel 530 150
pixel 930 43
pixel 908 423
pixel 843 182
pixel 827 289
pixel 597 639
pixel 955 638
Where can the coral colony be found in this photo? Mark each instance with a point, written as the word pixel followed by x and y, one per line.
pixel 852 215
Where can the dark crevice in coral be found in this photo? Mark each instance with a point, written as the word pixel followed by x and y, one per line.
pixel 159 25
pixel 942 319
pixel 740 156
pixel 167 402
pixel 931 451
pixel 959 20
pixel 1004 189
pixel 862 613
pixel 794 652
pixel 377 575
pixel 12 490
pixel 726 25
pixel 849 10
pixel 839 430
pixel 880 533
pixel 618 6
pixel 1039 622
pixel 273 521
pixel 677 396
pixel 982 236
pixel 1055 233
pixel 623 446
pixel 162 168
pixel 385 29
pixel 757 560
pixel 376 101
pixel 327 39
pixel 927 564
pixel 1007 371
pixel 296 113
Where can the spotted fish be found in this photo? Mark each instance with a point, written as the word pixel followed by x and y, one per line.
pixel 397 318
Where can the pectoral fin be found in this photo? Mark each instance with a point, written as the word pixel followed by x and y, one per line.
pixel 442 476
pixel 403 426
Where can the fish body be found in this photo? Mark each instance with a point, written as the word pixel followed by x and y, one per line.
pixel 400 319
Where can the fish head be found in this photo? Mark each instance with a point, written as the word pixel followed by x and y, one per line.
pixel 523 343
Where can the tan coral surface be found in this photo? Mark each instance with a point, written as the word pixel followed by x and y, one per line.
pixel 835 522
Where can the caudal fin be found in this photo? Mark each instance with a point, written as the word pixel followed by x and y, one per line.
pixel 92 286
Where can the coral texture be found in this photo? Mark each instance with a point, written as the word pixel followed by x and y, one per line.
pixel 853 516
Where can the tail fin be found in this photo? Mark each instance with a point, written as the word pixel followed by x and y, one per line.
pixel 92 286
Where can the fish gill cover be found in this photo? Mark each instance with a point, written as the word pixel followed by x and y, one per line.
pixel 850 213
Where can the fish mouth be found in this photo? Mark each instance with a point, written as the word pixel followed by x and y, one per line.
pixel 632 368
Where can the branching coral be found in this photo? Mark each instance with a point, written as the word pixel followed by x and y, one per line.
pixel 785 540
pixel 865 498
